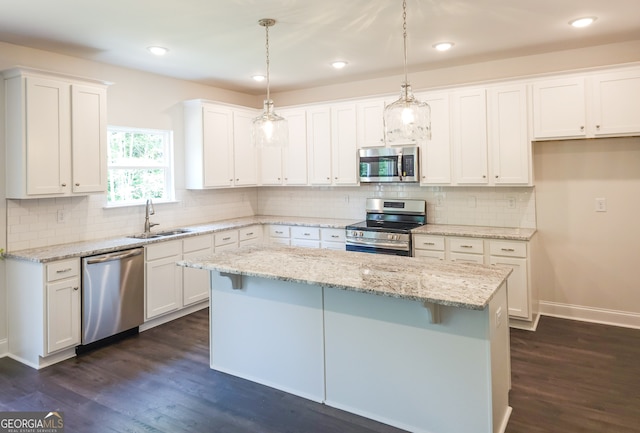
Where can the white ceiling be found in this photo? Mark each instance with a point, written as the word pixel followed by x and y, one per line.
pixel 219 42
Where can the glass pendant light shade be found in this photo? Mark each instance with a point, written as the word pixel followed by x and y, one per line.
pixel 407 120
pixel 269 129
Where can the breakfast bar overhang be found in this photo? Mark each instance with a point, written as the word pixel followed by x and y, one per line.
pixel 419 344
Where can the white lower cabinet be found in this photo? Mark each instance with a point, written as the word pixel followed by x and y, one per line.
pixel 44 305
pixel 195 282
pixel 279 234
pixel 308 237
pixel 514 254
pixel 163 279
pixel 251 235
pixel 332 239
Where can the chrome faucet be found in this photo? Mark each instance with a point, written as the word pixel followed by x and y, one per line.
pixel 149 210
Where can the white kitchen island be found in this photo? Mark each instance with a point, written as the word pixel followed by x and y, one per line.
pixel 418 344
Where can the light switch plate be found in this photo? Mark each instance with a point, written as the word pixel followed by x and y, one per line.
pixel 601 204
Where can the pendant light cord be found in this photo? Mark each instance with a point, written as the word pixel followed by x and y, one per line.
pixel 266 27
pixel 404 39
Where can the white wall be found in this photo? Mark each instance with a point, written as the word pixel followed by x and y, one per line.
pixel 588 263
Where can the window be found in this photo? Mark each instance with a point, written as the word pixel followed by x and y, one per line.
pixel 140 166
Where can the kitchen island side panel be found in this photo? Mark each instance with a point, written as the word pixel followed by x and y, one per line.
pixel 385 360
pixel 269 332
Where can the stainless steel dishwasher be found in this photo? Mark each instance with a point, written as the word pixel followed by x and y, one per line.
pixel 112 294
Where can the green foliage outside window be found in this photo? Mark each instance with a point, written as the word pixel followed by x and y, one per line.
pixel 140 166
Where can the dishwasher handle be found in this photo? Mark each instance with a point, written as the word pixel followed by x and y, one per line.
pixel 115 256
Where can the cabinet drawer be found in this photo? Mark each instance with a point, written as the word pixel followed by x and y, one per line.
pixel 466 245
pixel 226 238
pixel 63 269
pixel 468 258
pixel 305 233
pixel 332 235
pixel 197 243
pixel 431 254
pixel 508 249
pixel 251 232
pixel 429 242
pixel 279 231
pixel 162 250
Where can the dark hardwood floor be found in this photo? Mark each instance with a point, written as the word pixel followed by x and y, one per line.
pixel 567 377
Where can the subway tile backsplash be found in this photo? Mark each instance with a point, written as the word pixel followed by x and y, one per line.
pixel 44 222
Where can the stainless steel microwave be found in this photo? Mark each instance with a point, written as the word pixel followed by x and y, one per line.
pixel 389 164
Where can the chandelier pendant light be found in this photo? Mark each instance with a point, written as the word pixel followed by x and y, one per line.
pixel 269 129
pixel 407 120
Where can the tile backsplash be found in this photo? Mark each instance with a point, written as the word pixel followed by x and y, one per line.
pixel 43 222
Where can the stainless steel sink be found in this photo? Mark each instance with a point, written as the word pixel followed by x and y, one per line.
pixel 159 234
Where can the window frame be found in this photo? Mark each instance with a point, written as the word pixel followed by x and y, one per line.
pixel 168 165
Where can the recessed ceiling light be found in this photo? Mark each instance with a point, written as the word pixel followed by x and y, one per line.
pixel 158 51
pixel 258 78
pixel 443 46
pixel 339 64
pixel 582 22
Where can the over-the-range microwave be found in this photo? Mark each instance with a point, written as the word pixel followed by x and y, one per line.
pixel 389 164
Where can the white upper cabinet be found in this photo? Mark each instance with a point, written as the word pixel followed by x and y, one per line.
pixel 319 144
pixel 56 129
pixel 469 134
pixel 616 103
pixel 287 166
pixel 559 109
pixel 509 144
pixel 218 148
pixel 245 154
pixel 435 154
pixel 344 150
pixel 370 123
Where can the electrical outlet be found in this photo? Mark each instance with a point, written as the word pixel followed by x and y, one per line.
pixel 511 202
pixel 439 200
pixel 62 216
pixel 601 204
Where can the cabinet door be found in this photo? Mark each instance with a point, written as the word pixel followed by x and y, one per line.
pixel 319 144
pixel 89 135
pixel 48 136
pixel 508 135
pixel 517 287
pixel 245 154
pixel 217 146
pixel 343 144
pixel 436 153
pixel 616 103
pixel 370 123
pixel 63 314
pixel 295 155
pixel 470 137
pixel 163 286
pixel 195 282
pixel 559 109
pixel 271 167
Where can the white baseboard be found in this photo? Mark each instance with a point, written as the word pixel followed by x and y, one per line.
pixel 4 347
pixel 590 314
pixel 172 316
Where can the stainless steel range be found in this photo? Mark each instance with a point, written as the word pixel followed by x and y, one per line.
pixel 387 229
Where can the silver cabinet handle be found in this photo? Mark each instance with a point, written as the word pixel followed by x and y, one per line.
pixel 581 128
pixel 77 184
pixel 508 249
pixel 466 246
pixel 64 184
pixel 278 232
pixel 62 271
pixel 75 288
pixel 335 236
pixel 306 234
pixel 227 238
pixel 250 234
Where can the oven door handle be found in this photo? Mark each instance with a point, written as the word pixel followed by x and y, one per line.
pixel 374 244
pixel 400 165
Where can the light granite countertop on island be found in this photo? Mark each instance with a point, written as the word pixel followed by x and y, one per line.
pixel 462 285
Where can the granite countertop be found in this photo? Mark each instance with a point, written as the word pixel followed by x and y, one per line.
pixel 463 285
pixel 514 234
pixel 101 246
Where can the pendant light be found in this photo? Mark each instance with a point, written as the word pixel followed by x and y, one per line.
pixel 407 120
pixel 269 129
